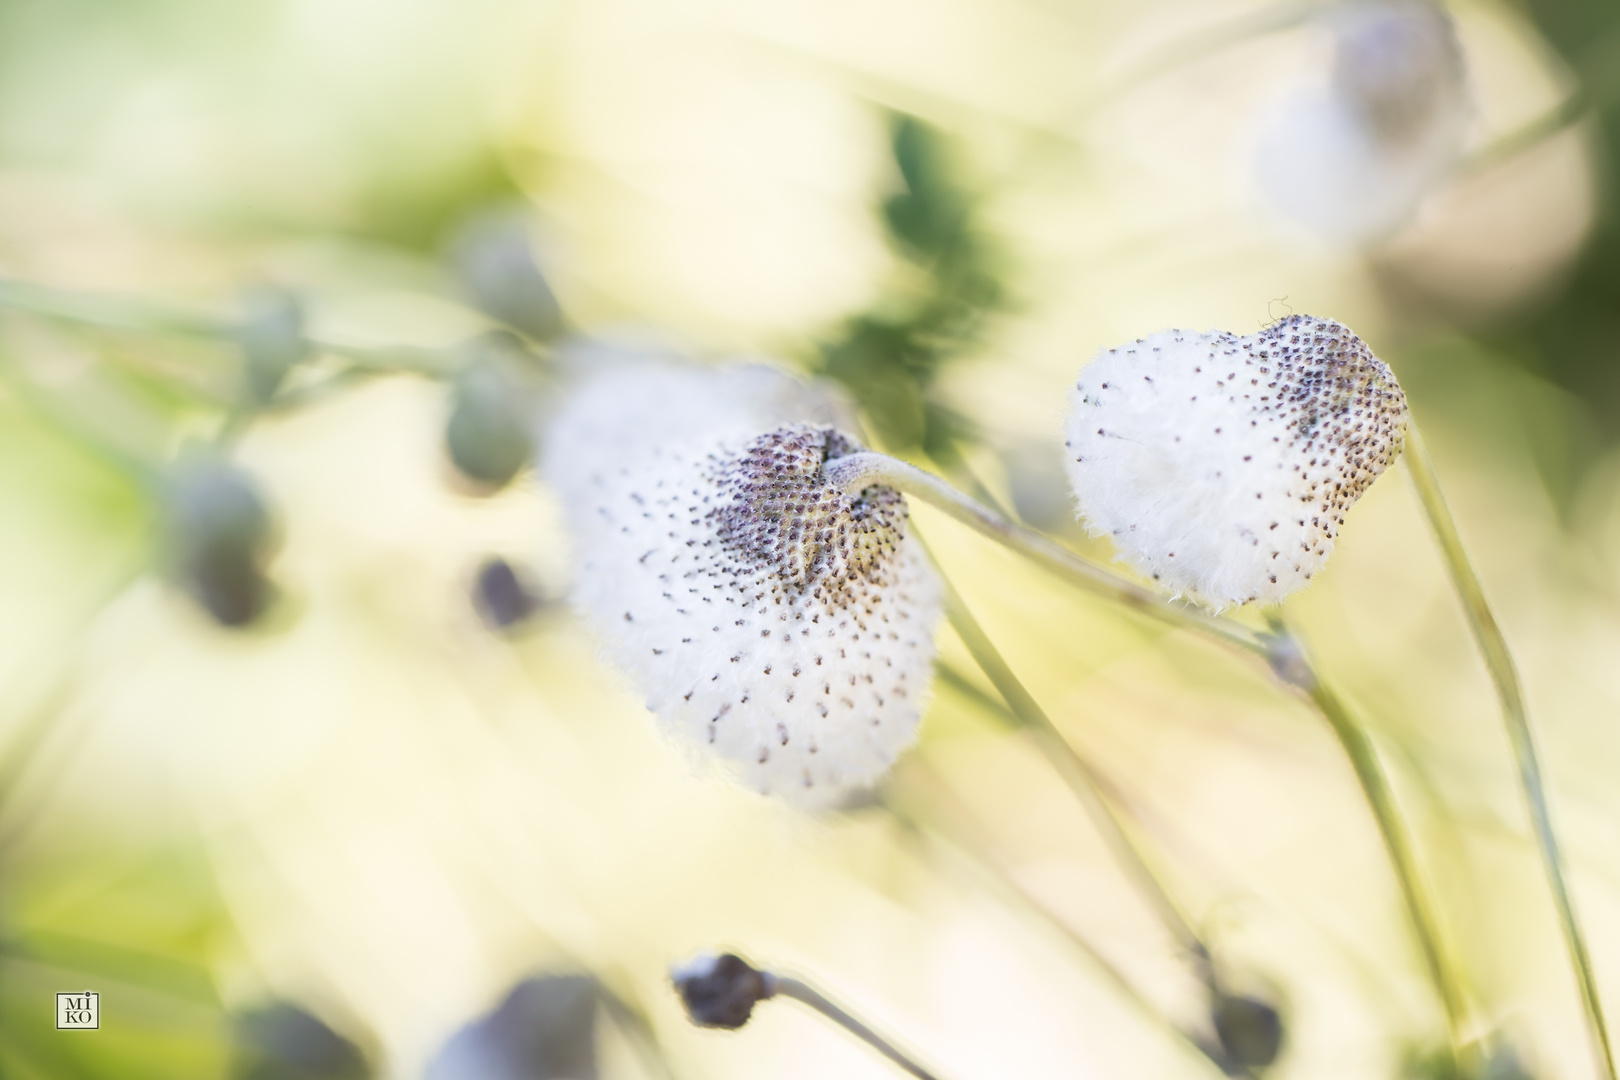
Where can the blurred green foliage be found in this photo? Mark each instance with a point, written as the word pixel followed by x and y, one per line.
pixel 1573 338
pixel 892 355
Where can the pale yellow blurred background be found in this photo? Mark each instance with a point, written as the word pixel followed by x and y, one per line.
pixel 371 805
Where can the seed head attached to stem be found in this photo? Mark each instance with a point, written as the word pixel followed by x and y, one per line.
pixel 773 619
pixel 1222 466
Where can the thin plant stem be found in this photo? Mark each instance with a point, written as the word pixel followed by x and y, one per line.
pixel 1078 774
pixel 805 994
pixel 1369 770
pixel 1515 715
pixel 856 472
pixel 993 876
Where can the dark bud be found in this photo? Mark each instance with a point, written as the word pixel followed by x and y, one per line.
pixel 283 1042
pixel 544 1030
pixel 721 991
pixel 1250 1030
pixel 220 533
pixel 494 261
pixel 489 434
pixel 272 340
pixel 501 596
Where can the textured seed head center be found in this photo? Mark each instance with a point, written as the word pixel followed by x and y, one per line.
pixel 776 510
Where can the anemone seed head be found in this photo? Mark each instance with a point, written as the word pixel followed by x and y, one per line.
pixel 1223 466
pixel 771 619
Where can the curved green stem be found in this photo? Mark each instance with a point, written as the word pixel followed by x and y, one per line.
pixel 1078 774
pixel 1369 770
pixel 1515 715
pixel 856 472
pixel 802 992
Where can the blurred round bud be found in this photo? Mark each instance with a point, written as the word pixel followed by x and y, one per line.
pixel 544 1030
pixel 1398 63
pixel 219 535
pixel 1250 1030
pixel 283 1042
pixel 1353 159
pixel 721 991
pixel 488 435
pixel 271 337
pixel 502 597
pixel 1223 466
pixel 494 261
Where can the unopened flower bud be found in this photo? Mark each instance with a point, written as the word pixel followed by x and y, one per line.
pixel 1223 466
pixel 220 533
pixel 1250 1030
pixel 488 435
pixel 721 991
pixel 494 260
pixel 271 337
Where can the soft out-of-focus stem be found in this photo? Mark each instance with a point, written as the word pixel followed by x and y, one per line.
pixel 856 472
pixel 1504 674
pixel 639 1031
pixel 1020 900
pixel 121 313
pixel 1381 800
pixel 803 992
pixel 1078 774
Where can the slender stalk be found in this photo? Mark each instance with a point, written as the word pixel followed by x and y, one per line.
pixel 1078 774
pixel 804 993
pixel 1374 783
pixel 1504 674
pixel 856 472
pixel 985 869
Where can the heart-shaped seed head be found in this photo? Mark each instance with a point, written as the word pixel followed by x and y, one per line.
pixel 771 619
pixel 1223 466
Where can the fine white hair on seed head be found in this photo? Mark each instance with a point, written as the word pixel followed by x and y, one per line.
pixel 1222 466
pixel 771 619
pixel 1352 158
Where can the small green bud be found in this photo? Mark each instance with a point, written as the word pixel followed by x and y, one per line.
pixel 494 261
pixel 489 436
pixel 220 533
pixel 271 338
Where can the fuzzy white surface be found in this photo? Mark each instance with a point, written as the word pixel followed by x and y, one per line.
pixel 806 690
pixel 1222 466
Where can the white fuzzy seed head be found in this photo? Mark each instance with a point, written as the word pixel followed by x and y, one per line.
pixel 771 619
pixel 1351 160
pixel 1223 466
